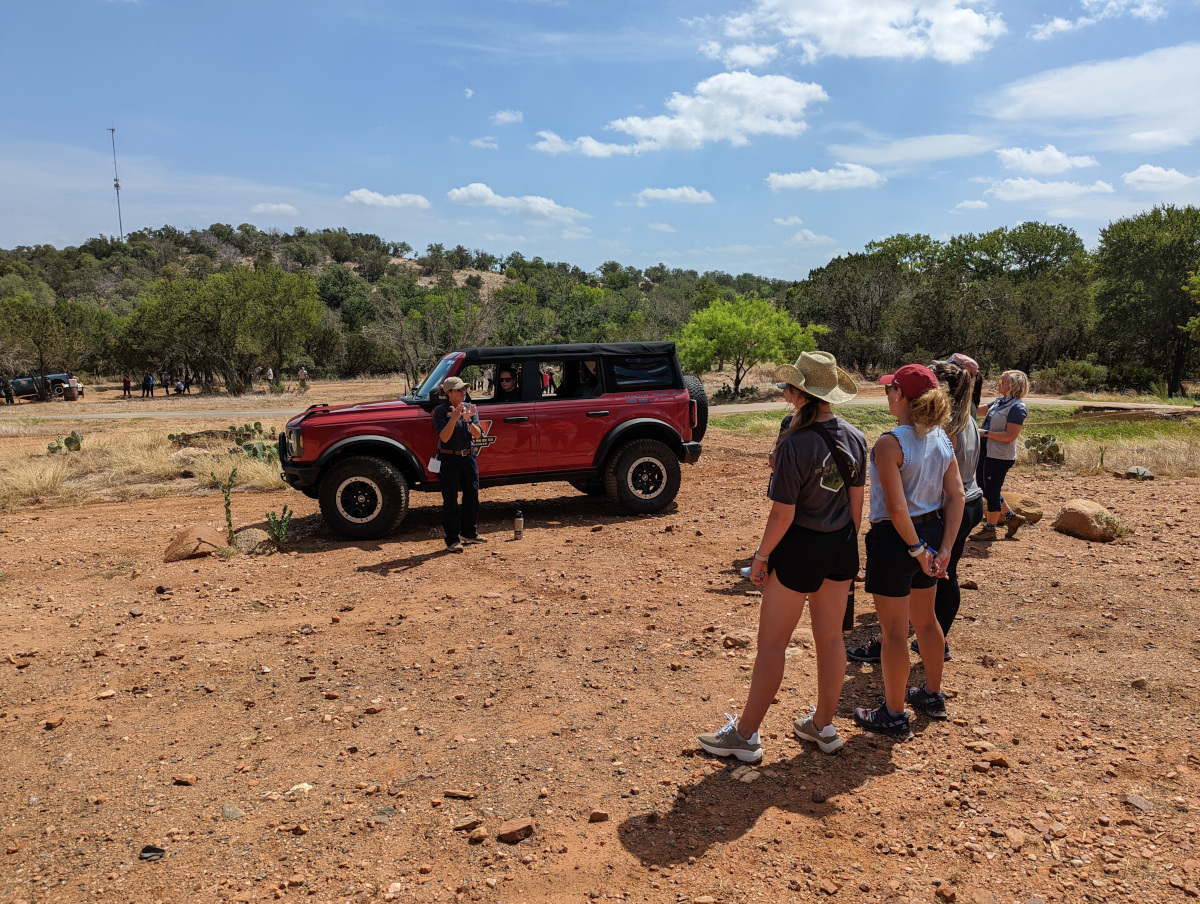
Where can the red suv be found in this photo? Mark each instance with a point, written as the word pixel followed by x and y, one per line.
pixel 612 418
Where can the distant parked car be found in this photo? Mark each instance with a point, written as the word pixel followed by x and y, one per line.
pixel 27 387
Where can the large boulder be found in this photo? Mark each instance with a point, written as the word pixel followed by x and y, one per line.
pixel 254 541
pixel 194 542
pixel 1087 520
pixel 1025 506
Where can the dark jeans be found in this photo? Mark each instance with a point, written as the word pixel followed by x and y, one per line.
pixel 460 473
pixel 994 472
pixel 949 596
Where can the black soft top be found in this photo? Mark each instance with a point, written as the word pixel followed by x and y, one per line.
pixel 574 350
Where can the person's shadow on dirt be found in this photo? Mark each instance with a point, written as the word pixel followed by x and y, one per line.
pixel 719 808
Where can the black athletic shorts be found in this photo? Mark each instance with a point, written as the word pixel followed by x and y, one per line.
pixel 804 559
pixel 891 571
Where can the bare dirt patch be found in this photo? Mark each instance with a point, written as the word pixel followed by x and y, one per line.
pixel 331 723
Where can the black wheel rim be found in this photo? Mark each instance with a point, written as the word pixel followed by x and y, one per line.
pixel 646 478
pixel 358 499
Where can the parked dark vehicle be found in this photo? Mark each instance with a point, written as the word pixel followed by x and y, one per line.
pixel 27 387
pixel 618 420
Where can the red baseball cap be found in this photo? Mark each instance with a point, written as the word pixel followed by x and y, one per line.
pixel 914 380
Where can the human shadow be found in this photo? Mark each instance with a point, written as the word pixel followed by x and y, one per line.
pixel 719 808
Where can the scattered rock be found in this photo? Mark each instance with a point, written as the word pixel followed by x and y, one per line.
pixel 425 869
pixel 105 695
pixel 458 794
pixel 184 778
pixel 254 541
pixel 1087 520
pixel 467 823
pixel 818 797
pixel 968 585
pixel 297 791
pixel 478 835
pixel 53 722
pixel 1026 506
pixel 515 830
pixel 735 641
pixel 194 542
pixel 830 887
pixel 1139 683
pixel 946 893
pixel 995 758
pixel 135 613
pixel 1138 473
pixel 163 589
pixel 1138 802
pixel 229 811
pixel 592 814
pixel 150 852
pixel 1016 838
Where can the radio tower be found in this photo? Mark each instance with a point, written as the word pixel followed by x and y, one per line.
pixel 117 182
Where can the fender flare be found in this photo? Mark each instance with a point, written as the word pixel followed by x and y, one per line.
pixel 637 428
pixel 405 458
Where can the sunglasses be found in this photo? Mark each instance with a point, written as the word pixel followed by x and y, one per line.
pixel 508 379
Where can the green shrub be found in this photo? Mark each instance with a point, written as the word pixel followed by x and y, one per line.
pixel 1070 376
pixel 277 527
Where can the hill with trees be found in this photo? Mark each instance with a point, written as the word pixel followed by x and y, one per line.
pixel 221 304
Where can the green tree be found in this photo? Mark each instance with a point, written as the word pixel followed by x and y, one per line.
pixel 286 314
pixel 744 332
pixel 32 337
pixel 1143 306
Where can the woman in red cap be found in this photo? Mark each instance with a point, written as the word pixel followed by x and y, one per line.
pixel 916 507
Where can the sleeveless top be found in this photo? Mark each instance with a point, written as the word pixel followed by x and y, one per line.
pixel 1000 412
pixel 925 461
pixel 966 450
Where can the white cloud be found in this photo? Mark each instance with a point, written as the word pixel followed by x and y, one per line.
pixel 507 117
pixel 375 199
pixel 1047 161
pixel 920 149
pixel 577 232
pixel 1133 103
pixel 789 221
pixel 487 142
pixel 468 93
pixel 1035 190
pixel 732 106
pixel 807 237
pixel 951 31
pixel 1098 11
pixel 842 175
pixel 267 207
pixel 661 227
pixel 741 56
pixel 971 205
pixel 531 207
pixel 1162 181
pixel 685 194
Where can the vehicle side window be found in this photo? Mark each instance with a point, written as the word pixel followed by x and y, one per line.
pixel 506 383
pixel 643 372
pixel 550 376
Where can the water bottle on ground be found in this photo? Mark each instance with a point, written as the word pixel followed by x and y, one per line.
pixel 519 527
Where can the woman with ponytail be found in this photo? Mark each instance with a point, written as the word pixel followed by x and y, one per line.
pixel 916 508
pixel 809 551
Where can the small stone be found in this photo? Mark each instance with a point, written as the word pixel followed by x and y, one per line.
pixel 425 869
pixel 229 811
pixel 105 695
pixel 1139 683
pixel 735 641
pixel 819 797
pixel 300 829
pixel 373 710
pixel 945 893
pixel 135 613
pixel 1016 838
pixel 981 766
pixel 53 722
pixel 968 585
pixel 162 589
pixel 830 887
pixel 996 758
pixel 467 823
pixel 515 830
pixel 750 777
pixel 594 815
pixel 478 835
pixel 332 695
pixel 490 882
pixel 184 778
pixel 194 541
pixel 1138 802
pixel 295 880
pixel 458 794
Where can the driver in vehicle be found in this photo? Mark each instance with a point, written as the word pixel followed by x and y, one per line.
pixel 508 389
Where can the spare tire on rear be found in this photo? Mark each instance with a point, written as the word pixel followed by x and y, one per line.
pixel 696 390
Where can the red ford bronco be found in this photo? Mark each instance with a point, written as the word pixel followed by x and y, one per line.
pixel 610 418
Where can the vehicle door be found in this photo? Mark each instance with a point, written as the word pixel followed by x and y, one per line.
pixel 508 418
pixel 573 413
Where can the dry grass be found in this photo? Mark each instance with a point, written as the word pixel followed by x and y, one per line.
pixel 1164 456
pixel 123 465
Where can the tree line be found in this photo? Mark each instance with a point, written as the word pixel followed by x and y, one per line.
pixel 221 304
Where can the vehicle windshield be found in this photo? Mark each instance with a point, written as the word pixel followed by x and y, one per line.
pixel 436 376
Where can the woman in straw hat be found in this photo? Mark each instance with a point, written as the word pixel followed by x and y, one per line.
pixel 809 551
pixel 916 507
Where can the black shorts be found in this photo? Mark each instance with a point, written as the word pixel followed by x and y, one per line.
pixel 804 559
pixel 891 571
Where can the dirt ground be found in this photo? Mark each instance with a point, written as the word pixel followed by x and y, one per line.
pixel 318 725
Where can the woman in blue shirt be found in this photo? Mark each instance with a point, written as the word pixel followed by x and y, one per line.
pixel 1002 423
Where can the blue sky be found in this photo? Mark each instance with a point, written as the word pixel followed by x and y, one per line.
pixel 764 136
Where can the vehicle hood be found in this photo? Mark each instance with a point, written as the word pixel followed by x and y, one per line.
pixel 332 413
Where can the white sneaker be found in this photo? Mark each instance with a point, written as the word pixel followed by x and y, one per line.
pixel 728 742
pixel 827 738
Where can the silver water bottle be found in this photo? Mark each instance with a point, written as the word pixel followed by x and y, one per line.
pixel 519 526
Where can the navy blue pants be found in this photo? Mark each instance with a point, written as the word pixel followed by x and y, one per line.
pixel 994 472
pixel 460 473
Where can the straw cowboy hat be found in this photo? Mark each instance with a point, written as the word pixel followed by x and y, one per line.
pixel 817 374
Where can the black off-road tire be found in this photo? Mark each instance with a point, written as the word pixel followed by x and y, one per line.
pixel 644 476
pixel 363 497
pixel 594 487
pixel 696 390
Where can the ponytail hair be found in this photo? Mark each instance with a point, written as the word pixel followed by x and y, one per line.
pixel 806 416
pixel 931 410
pixel 959 383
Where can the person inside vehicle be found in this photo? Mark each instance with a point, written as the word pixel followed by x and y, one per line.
pixel 508 388
pixel 589 380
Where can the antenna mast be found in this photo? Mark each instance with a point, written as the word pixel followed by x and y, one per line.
pixel 117 182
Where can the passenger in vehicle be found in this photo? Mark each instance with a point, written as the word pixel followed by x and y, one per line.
pixel 589 381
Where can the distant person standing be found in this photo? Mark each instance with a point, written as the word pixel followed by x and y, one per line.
pixel 147 384
pixel 126 383
pixel 1003 420
pixel 270 374
pixel 9 398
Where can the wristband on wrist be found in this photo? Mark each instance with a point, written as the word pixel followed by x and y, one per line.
pixel 760 558
pixel 915 551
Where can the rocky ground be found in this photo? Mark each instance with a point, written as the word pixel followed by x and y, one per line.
pixel 353 722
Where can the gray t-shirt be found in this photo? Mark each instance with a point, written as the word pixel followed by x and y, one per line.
pixel 807 477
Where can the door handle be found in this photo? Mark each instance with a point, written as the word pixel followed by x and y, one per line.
pixel 515 420
pixel 597 414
